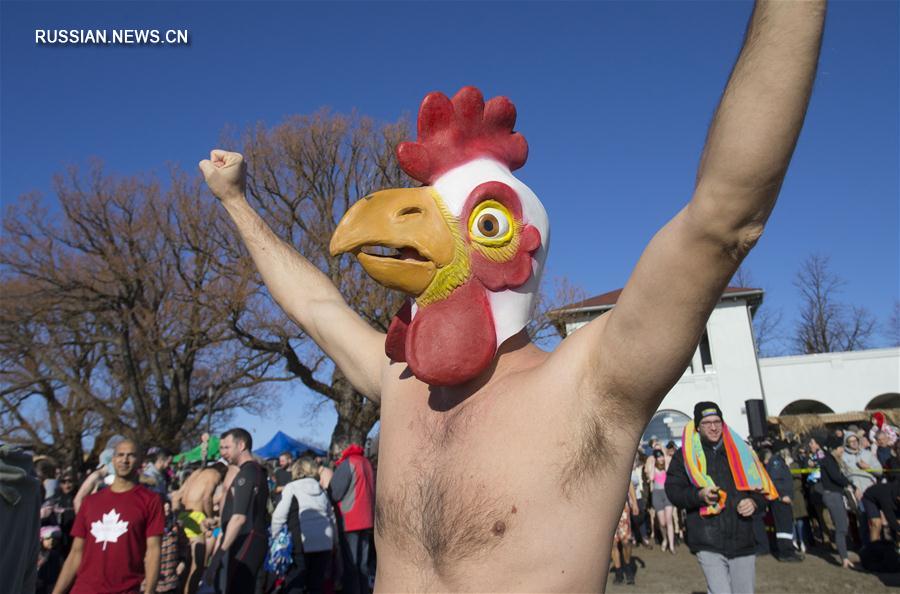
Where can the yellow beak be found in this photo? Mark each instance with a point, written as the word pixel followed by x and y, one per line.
pixel 407 221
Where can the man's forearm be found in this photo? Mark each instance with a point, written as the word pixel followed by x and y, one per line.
pixel 686 496
pixel 208 506
pixel 679 488
pixel 151 565
pixel 232 530
pixel 758 120
pixel 67 573
pixel 282 268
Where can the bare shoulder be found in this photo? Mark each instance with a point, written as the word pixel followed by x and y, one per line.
pixel 210 478
pixel 579 368
pixel 588 364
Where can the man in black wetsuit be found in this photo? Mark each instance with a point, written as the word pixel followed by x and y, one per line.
pixel 236 565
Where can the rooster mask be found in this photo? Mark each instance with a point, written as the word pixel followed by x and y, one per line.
pixel 468 247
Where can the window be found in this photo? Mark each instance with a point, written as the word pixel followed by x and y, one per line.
pixel 706 354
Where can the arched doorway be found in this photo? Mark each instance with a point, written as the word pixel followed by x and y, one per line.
pixel 666 425
pixel 890 400
pixel 805 407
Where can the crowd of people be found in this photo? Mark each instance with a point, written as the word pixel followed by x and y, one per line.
pixel 236 524
pixel 304 523
pixel 833 490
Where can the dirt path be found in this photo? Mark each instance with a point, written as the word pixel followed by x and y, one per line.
pixel 664 572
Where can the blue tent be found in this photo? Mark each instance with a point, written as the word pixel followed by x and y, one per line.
pixel 285 443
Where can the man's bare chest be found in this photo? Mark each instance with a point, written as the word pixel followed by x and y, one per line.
pixel 441 505
pixel 482 480
pixel 459 484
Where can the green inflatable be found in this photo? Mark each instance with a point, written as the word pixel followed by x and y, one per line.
pixel 196 454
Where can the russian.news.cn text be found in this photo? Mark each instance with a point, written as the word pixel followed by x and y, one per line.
pixel 111 37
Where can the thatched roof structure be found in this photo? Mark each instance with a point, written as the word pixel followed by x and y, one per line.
pixel 803 424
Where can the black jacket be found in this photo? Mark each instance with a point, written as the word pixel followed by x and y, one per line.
pixel 832 477
pixel 726 533
pixel 781 476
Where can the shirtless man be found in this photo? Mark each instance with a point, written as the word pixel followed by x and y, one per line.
pixel 194 502
pixel 456 507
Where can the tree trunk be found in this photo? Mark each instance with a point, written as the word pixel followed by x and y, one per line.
pixel 356 413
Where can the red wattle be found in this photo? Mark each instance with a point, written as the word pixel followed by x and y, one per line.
pixel 395 341
pixel 453 340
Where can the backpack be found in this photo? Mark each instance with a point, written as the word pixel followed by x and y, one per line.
pixel 280 554
pixel 286 547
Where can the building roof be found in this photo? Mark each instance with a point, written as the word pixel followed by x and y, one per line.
pixel 608 300
pixel 601 303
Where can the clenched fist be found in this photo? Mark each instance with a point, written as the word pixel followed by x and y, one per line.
pixel 709 495
pixel 746 507
pixel 226 174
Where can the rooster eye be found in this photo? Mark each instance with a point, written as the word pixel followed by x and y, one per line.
pixel 488 224
pixel 491 224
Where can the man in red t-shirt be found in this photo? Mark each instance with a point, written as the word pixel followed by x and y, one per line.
pixel 116 535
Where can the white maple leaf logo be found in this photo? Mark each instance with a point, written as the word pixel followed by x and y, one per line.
pixel 110 529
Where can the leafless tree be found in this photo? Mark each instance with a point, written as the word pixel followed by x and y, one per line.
pixel 826 325
pixel 892 327
pixel 111 316
pixel 303 175
pixel 555 294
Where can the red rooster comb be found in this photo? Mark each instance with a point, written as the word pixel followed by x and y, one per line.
pixel 453 132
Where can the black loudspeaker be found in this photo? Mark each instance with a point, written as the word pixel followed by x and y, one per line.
pixel 756 416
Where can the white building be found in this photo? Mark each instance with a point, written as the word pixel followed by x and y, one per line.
pixel 726 370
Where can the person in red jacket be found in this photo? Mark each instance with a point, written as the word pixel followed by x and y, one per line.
pixel 352 489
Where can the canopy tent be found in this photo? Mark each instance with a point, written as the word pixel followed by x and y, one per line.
pixel 281 442
pixel 196 454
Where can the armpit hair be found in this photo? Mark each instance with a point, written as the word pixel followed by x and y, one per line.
pixel 593 448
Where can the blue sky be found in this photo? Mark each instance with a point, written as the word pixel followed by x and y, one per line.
pixel 613 97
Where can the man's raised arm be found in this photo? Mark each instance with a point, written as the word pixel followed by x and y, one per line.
pixel 641 348
pixel 301 289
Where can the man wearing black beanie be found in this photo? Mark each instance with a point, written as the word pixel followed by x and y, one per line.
pixel 723 542
pixel 706 409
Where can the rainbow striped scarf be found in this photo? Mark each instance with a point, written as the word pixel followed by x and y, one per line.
pixel 748 472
